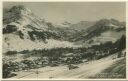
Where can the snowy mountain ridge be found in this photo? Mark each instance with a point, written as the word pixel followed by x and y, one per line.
pixel 24 30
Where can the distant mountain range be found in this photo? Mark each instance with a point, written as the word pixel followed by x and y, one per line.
pixel 23 30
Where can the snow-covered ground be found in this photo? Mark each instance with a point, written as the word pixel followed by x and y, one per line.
pixel 15 43
pixel 84 71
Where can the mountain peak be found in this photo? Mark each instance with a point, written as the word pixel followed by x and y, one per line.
pixel 110 23
pixel 15 13
pixel 17 7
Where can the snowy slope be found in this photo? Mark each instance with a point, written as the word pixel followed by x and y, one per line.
pixel 22 30
pixel 15 43
pixel 25 31
pixel 103 31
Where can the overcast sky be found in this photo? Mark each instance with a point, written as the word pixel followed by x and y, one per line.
pixel 58 12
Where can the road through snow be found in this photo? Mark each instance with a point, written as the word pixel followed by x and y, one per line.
pixel 84 71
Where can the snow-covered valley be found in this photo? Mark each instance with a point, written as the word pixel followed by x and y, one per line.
pixel 34 48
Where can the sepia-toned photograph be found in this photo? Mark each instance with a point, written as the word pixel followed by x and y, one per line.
pixel 64 40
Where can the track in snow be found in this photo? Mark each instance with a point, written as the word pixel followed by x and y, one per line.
pixel 62 72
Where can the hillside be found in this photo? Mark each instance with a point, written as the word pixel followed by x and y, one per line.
pixel 22 27
pixel 103 31
pixel 21 24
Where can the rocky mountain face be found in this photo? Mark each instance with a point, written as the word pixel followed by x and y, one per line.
pixel 23 22
pixel 23 30
pixel 97 32
pixel 103 31
pixel 82 25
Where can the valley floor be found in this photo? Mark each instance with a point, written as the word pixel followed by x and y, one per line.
pixel 84 71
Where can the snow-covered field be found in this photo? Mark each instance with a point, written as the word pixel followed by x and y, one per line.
pixel 15 43
pixel 84 71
